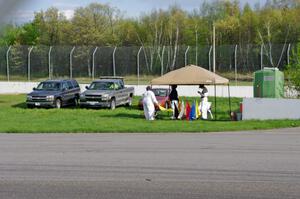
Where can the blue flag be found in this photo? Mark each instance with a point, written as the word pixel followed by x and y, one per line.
pixel 193 112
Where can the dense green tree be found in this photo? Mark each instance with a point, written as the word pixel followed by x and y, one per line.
pixel 278 21
pixel 95 25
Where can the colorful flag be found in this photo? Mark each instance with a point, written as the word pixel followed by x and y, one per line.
pixel 193 112
pixel 187 111
pixel 197 110
pixel 181 110
pixel 164 109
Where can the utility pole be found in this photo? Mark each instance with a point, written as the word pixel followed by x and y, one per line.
pixel 214 48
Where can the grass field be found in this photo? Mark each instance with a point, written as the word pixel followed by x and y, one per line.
pixel 16 118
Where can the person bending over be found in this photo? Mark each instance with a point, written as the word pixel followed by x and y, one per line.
pixel 149 103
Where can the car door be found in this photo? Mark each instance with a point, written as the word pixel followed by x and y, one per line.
pixel 76 87
pixel 121 93
pixel 124 94
pixel 117 94
pixel 72 91
pixel 66 94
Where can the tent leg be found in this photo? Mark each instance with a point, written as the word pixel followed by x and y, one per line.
pixel 229 99
pixel 215 101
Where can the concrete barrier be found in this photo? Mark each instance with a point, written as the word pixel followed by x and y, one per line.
pixel 222 91
pixel 269 109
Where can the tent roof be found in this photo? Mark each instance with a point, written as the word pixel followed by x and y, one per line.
pixel 190 75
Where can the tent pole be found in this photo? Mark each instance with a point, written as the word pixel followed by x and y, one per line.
pixel 229 100
pixel 215 101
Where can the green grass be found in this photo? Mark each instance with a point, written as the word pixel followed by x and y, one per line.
pixel 16 118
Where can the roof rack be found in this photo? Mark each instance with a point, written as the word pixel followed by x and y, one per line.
pixel 111 77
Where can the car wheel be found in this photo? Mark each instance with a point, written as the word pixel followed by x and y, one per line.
pixel 129 103
pixel 58 103
pixel 76 101
pixel 113 104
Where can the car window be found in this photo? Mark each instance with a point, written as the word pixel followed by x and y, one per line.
pixel 70 85
pixel 160 92
pixel 75 84
pixel 118 85
pixel 101 86
pixel 121 84
pixel 65 86
pixel 49 86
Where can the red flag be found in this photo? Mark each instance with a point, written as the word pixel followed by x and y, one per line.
pixel 187 110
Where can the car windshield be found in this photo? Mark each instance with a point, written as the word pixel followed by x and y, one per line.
pixel 102 86
pixel 160 92
pixel 49 86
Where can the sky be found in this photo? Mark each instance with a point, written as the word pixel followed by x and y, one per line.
pixel 24 10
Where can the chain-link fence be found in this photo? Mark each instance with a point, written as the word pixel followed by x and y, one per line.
pixel 19 63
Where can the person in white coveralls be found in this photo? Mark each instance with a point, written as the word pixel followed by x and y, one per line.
pixel 205 105
pixel 149 102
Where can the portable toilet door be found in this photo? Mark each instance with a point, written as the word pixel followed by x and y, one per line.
pixel 268 83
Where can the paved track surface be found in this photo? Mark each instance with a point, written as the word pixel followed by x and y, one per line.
pixel 263 164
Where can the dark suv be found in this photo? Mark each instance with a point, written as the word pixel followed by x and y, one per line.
pixel 54 93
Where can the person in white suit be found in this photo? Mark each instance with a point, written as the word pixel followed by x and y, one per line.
pixel 204 108
pixel 149 102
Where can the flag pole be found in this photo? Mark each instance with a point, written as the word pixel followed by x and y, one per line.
pixel 214 67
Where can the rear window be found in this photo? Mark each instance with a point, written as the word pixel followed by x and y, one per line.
pixel 75 84
pixel 160 92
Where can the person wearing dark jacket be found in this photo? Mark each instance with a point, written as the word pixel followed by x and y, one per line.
pixel 173 97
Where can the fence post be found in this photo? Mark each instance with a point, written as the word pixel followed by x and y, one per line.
pixel 29 66
pixel 138 65
pixel 209 58
pixel 288 54
pixel 214 48
pixel 162 61
pixel 93 69
pixel 7 63
pixel 196 47
pixel 114 61
pixel 71 62
pixel 49 61
pixel 261 56
pixel 185 55
pixel 235 63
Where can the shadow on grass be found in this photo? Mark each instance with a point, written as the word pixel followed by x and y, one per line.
pixel 20 105
pixel 24 106
pixel 125 115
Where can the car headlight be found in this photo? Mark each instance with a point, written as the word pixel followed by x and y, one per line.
pixel 105 97
pixel 50 97
pixel 29 97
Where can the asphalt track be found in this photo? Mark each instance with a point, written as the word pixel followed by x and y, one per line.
pixel 262 164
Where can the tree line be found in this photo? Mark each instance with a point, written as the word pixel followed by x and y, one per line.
pixel 277 21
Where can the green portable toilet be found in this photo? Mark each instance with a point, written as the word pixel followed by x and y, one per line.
pixel 268 83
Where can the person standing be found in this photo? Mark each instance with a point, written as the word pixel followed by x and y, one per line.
pixel 204 101
pixel 173 97
pixel 149 102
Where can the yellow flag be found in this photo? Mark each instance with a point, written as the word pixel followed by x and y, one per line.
pixel 164 109
pixel 197 110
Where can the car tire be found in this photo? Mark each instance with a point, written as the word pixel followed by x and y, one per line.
pixel 113 104
pixel 129 103
pixel 58 103
pixel 76 101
